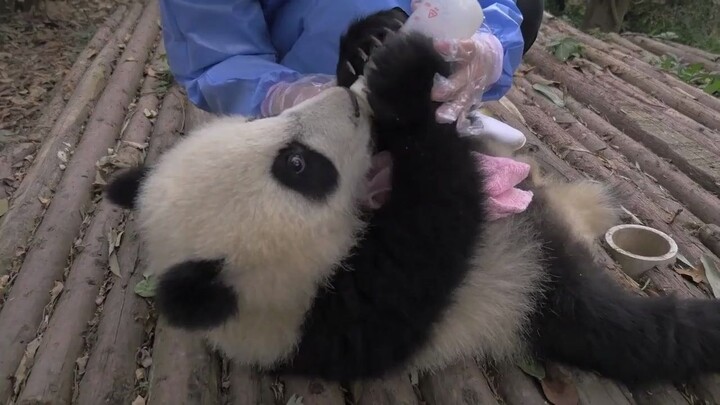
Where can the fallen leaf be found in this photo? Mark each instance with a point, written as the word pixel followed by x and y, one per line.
pixel 139 374
pixel 532 368
pixel 136 145
pixel 44 201
pixel 139 401
pixel 548 92
pixel 56 290
pixel 146 287
pixel 558 389
pixel 81 363
pixel 295 400
pixel 4 206
pixel 711 274
pixel 146 361
pixel 25 363
pixel 693 273
pixel 62 156
pixel 684 260
pixel 114 264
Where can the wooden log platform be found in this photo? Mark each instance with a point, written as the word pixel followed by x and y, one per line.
pixel 77 328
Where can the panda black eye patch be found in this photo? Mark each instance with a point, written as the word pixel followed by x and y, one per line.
pixel 305 171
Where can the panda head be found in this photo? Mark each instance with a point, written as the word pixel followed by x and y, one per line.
pixel 251 213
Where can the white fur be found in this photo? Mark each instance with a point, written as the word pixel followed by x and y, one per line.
pixel 212 196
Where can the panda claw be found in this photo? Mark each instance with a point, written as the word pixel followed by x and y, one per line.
pixel 363 55
pixel 388 31
pixel 351 68
pixel 375 40
pixel 399 23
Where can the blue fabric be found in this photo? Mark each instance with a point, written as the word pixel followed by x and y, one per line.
pixel 227 54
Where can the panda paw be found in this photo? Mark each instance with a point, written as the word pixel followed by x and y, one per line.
pixel 361 38
pixel 400 77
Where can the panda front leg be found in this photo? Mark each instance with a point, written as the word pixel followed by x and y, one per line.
pixel 588 321
pixel 414 253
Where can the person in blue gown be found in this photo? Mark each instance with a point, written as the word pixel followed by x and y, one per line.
pixel 258 57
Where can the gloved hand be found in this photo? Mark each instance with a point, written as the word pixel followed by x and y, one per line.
pixel 477 65
pixel 284 95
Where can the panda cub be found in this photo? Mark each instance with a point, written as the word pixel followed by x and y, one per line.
pixel 256 235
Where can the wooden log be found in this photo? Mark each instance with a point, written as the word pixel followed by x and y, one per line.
pixel 462 383
pixel 660 49
pixel 55 106
pixel 700 202
pixel 639 121
pixel 109 375
pixel 658 395
pixel 52 373
pixel 641 53
pixel 642 102
pixel 626 56
pixel 710 237
pixel 663 280
pixel 575 153
pixel 713 57
pixel 183 369
pixel 46 260
pixel 393 390
pixel 43 176
pixel 313 391
pixel 677 100
pixel 612 160
pixel 249 387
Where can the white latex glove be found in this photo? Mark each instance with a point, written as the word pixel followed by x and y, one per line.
pixel 284 95
pixel 477 65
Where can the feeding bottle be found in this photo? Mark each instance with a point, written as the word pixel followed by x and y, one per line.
pixel 446 19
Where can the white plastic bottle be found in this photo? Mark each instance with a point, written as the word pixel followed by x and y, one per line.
pixel 446 19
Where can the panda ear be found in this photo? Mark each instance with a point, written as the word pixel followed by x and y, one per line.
pixel 191 295
pixel 123 189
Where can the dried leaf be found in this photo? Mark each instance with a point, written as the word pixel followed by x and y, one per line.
pixel 693 273
pixel 684 260
pixel 99 181
pixel 532 368
pixel 146 287
pixel 4 206
pixel 146 362
pixel 139 401
pixel 114 264
pixel 139 374
pixel 140 146
pixel 26 363
pixel 62 156
pixel 712 274
pixel 295 400
pixel 43 200
pixel 56 290
pixel 81 363
pixel 548 92
pixel 558 389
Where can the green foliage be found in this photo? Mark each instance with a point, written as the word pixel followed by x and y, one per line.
pixel 693 74
pixel 565 48
pixel 696 24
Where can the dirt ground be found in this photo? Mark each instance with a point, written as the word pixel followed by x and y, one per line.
pixel 36 50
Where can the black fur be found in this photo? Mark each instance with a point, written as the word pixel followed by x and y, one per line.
pixel 192 296
pixel 124 188
pixel 315 179
pixel 417 246
pixel 359 37
pixel 587 320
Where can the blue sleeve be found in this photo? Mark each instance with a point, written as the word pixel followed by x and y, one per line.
pixel 220 51
pixel 503 18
